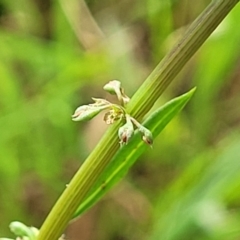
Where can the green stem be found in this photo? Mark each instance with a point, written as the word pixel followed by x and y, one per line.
pixel 174 61
pixel 139 105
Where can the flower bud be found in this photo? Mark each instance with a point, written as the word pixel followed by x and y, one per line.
pixel 113 87
pixel 146 135
pixel 20 229
pixel 86 112
pixel 125 132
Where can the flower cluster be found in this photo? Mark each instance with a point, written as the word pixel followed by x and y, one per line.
pixel 114 113
pixel 23 232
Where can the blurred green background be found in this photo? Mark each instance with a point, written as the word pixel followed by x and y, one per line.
pixel 56 55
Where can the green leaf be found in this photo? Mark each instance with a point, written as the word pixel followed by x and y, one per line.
pixel 128 154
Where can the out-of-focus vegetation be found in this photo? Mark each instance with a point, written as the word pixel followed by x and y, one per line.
pixel 54 57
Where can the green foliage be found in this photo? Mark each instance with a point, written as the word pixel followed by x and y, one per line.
pixel 199 205
pixel 186 187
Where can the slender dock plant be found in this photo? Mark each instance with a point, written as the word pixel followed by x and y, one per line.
pixel 109 163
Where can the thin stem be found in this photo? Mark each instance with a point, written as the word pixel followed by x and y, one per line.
pixel 135 122
pixel 141 102
pixel 174 61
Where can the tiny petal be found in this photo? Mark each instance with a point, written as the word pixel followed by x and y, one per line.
pixel 109 118
pixel 125 132
pixel 113 87
pixel 112 116
pixel 146 135
pixel 86 112
pixel 148 140
pixel 99 102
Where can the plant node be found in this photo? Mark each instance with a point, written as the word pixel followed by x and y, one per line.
pixel 114 113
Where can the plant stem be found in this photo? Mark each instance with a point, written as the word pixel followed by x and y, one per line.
pixel 174 61
pixel 139 105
